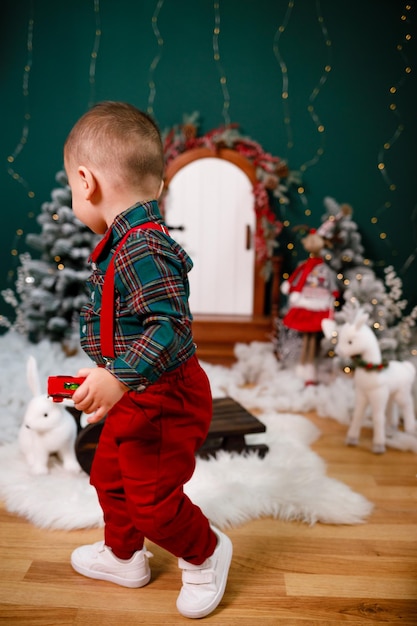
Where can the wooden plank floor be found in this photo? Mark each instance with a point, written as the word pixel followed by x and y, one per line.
pixel 282 573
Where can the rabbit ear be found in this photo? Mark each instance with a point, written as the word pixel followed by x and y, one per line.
pixel 33 376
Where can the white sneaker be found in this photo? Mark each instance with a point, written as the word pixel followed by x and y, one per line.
pixel 203 585
pixel 98 561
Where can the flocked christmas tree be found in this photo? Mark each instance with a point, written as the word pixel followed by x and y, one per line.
pixel 345 250
pixel 50 290
pixel 381 298
pixel 359 285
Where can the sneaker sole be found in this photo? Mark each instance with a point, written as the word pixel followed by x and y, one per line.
pixel 111 578
pixel 218 597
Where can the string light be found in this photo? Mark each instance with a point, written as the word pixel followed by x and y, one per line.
pixel 320 127
pixel 284 73
pixel 157 57
pixel 94 53
pixel 387 145
pixel 11 159
pixel 314 94
pixel 216 55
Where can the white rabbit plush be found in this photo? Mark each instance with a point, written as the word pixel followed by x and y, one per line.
pixel 47 429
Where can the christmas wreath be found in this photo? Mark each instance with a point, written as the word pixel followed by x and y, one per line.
pixel 270 172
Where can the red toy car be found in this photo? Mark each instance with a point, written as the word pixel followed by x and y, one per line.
pixel 60 387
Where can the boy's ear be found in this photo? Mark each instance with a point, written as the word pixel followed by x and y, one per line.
pixel 161 188
pixel 88 181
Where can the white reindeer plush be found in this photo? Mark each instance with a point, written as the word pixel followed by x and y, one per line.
pixel 382 385
pixel 47 428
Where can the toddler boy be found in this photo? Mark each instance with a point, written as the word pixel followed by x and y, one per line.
pixel 148 384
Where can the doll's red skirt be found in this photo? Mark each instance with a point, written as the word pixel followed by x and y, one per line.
pixel 305 321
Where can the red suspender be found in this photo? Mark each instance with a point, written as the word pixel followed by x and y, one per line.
pixel 107 297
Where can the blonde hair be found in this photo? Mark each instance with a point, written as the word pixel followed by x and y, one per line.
pixel 119 139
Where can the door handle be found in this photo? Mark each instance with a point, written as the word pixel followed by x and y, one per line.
pixel 175 227
pixel 248 237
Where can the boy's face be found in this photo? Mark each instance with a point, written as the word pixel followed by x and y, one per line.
pixel 84 209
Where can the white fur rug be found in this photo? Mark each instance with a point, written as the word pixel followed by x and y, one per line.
pixel 289 483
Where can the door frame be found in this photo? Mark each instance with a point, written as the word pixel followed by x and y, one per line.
pixel 228 154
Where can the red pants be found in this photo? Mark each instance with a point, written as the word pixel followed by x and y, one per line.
pixel 146 453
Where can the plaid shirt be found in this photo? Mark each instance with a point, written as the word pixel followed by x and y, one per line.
pixel 152 316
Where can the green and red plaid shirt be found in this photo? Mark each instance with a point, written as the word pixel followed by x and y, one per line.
pixel 152 316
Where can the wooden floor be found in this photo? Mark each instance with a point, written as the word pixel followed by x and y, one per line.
pixel 282 573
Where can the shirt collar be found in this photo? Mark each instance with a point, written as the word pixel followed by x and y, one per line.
pixel 137 214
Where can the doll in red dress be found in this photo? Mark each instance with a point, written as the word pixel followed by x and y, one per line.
pixel 311 290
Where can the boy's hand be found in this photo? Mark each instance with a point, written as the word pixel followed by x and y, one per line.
pixel 98 393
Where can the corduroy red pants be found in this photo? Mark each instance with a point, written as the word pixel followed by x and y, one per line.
pixel 145 455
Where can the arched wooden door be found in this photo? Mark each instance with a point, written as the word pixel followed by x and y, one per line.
pixel 210 211
pixel 209 206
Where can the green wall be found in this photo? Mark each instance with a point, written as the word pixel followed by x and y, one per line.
pixel 353 103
